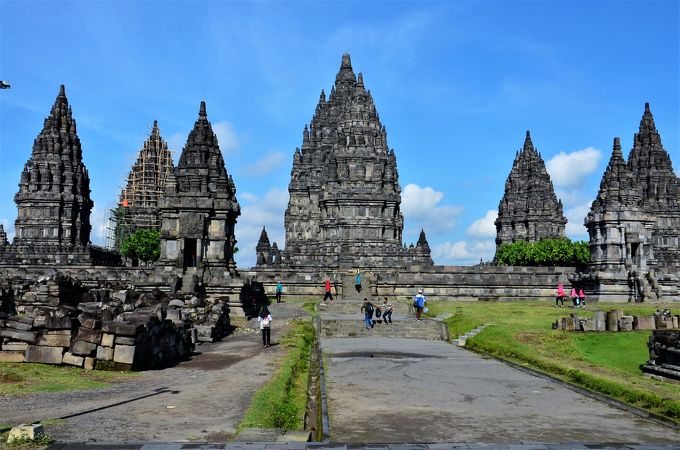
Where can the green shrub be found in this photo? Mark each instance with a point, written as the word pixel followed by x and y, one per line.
pixel 143 244
pixel 546 252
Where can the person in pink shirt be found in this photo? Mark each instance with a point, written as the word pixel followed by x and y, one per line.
pixel 560 295
pixel 582 297
pixel 574 297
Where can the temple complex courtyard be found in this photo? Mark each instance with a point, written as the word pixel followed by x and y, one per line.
pixel 393 384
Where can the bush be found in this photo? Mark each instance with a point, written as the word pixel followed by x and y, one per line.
pixel 144 244
pixel 546 252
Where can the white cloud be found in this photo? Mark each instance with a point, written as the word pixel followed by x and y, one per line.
pixel 99 222
pixel 575 216
pixel 226 136
pixel 484 227
pixel 267 211
pixel 463 252
pixel 266 164
pixel 421 209
pixel 569 170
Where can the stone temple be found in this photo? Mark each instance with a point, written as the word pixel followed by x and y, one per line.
pixel 138 205
pixel 529 210
pixel 634 223
pixel 198 209
pixel 344 206
pixel 53 201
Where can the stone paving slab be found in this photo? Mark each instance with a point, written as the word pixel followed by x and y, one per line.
pixel 330 446
pixel 394 389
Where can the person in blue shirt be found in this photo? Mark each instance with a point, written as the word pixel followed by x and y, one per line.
pixel 357 282
pixel 419 303
pixel 279 292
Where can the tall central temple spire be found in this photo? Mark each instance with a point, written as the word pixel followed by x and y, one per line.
pixel 344 207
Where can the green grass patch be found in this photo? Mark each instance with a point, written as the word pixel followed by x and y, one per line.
pixel 607 363
pixel 281 403
pixel 23 378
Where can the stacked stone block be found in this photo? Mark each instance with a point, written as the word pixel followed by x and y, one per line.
pixel 120 330
pixel 616 320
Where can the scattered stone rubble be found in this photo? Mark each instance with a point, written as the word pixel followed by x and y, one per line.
pixel 664 354
pixel 56 321
pixel 616 320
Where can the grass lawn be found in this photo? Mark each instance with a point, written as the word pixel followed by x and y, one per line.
pixel 608 363
pixel 23 378
pixel 281 403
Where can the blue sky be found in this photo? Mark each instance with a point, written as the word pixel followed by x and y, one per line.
pixel 455 83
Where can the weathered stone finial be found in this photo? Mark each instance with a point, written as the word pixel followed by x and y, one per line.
pixel 62 91
pixel 360 80
pixel 346 61
pixel 202 112
pixel 527 142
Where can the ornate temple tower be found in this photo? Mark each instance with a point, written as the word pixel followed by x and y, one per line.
pixel 529 209
pixel 53 202
pixel 660 190
pixel 634 223
pixel 199 208
pixel 138 207
pixel 344 207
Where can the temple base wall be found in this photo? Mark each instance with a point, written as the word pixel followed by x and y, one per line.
pixel 467 283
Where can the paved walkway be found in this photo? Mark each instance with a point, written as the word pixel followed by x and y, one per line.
pixel 324 446
pixel 392 390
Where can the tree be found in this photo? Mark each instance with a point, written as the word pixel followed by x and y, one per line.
pixel 143 244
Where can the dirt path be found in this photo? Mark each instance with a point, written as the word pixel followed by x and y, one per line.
pixel 203 398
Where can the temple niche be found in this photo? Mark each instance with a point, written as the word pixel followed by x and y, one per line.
pixel 138 203
pixel 199 209
pixel 53 201
pixel 344 206
pixel 634 223
pixel 529 210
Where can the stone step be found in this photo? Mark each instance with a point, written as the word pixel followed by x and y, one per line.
pixel 350 307
pixel 461 340
pixel 409 328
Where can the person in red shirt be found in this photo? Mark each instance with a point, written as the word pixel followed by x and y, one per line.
pixel 328 291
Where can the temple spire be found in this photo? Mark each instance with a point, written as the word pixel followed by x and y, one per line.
pixel 201 112
pixel 528 144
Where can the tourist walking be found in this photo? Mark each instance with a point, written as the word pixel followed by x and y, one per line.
pixel 560 294
pixel 574 297
pixel 419 303
pixel 357 282
pixel 328 291
pixel 582 298
pixel 265 319
pixel 387 311
pixel 367 308
pixel 279 291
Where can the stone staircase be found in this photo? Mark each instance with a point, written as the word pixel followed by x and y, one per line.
pixel 401 326
pixel 460 340
pixel 349 293
pixel 343 317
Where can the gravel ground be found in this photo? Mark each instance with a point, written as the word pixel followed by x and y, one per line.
pixel 202 398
